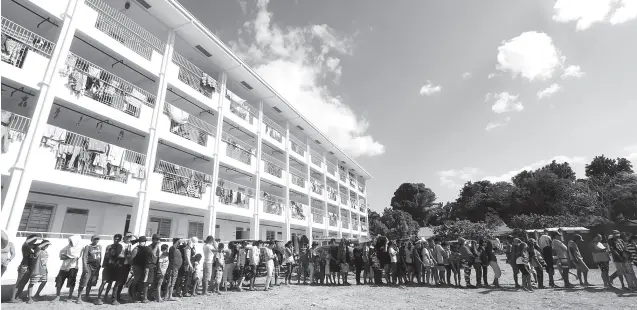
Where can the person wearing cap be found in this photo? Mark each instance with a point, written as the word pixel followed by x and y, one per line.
pixel 24 270
pixel 91 263
pixel 576 257
pixel 39 272
pixel 70 256
pixel 141 255
pixel 109 268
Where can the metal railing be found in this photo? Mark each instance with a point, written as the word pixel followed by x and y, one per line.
pixel 344 223
pixel 331 168
pixel 87 156
pixel 228 193
pixel 123 29
pixel 361 186
pixel 194 129
pixel 353 203
pixel 272 166
pixel 352 180
pixel 364 228
pixel 238 149
pixel 316 159
pixel 272 204
pixel 194 77
pixel 332 219
pixel 181 180
pixel 296 209
pixel 242 108
pixel 88 79
pixel 318 217
pixel 56 235
pixel 332 193
pixel 17 40
pixel 343 199
pixel 317 186
pixel 297 177
pixel 18 122
pixel 272 129
pixel 342 174
pixel 297 146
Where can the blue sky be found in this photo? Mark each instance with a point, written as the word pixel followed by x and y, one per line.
pixel 442 92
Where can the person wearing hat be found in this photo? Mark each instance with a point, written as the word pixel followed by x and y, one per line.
pixel 24 269
pixel 39 272
pixel 70 256
pixel 142 255
pixel 110 265
pixel 577 259
pixel 91 261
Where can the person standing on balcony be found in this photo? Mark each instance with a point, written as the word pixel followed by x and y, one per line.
pixel 109 272
pixel 24 270
pixel 175 261
pixel 91 260
pixel 70 256
pixel 39 271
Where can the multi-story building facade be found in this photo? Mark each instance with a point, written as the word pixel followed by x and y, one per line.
pixel 132 116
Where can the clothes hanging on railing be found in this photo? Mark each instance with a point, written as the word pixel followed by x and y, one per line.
pixel 13 51
pixel 6 121
pixel 273 169
pixel 234 151
pixel 176 114
pixel 53 136
pixel 273 133
pixel 208 83
pixel 297 210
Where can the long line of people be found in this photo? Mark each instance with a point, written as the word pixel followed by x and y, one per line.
pixel 155 271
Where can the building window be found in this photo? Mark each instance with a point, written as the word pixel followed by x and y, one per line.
pixel 279 236
pixel 269 235
pixel 160 226
pixel 241 234
pixel 195 229
pixel 36 217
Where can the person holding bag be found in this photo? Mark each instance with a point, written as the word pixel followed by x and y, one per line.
pixel 601 257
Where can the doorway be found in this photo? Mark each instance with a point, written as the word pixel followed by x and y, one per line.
pixel 75 221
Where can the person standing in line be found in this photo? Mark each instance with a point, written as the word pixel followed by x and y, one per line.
pixel 467 259
pixel 616 246
pixel 8 251
pixel 162 268
pixel 493 262
pixel 314 263
pixel 511 256
pixel 254 255
pixel 484 261
pixel 122 267
pixel 142 255
pixel 288 259
pixel 522 260
pixel 546 247
pixel 562 255
pixel 631 247
pixel 269 264
pixel 70 256
pixel 24 269
pixel 91 263
pixel 39 271
pixel 152 269
pixel 577 259
pixel 601 257
pixel 391 276
pixel 242 258
pixel 230 260
pixel 304 264
pixel 209 249
pixel 109 267
pixel 175 261
pixel 219 264
pixel 358 263
pixel 537 263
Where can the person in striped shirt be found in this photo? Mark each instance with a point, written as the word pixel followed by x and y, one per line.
pixel 631 247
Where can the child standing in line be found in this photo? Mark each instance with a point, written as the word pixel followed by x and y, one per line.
pixel 328 274
pixel 162 268
pixel 198 273
pixel 39 271
pixel 219 263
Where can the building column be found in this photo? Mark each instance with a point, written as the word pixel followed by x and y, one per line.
pixel 254 223
pixel 310 221
pixel 210 219
pixel 286 230
pixel 139 216
pixel 351 224
pixel 22 172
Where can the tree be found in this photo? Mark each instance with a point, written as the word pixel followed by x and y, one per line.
pixel 452 230
pixel 376 226
pixel 481 198
pixel 416 199
pixel 399 223
pixel 602 167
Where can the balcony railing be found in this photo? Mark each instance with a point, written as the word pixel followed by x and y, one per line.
pixel 331 169
pixel 120 27
pixel 352 180
pixel 353 204
pixel 297 146
pixel 187 126
pixel 345 223
pixel 316 159
pixel 194 77
pixel 182 181
pixel 87 156
pixel 238 149
pixel 332 193
pixel 343 199
pixel 16 40
pixel 333 219
pixel 241 108
pixel 362 207
pixel 273 129
pixel 272 204
pixel 364 228
pixel 87 79
pixel 297 177
pixel 297 210
pixel 273 166
pixel 361 186
pixel 317 186
pixel 342 174
pixel 317 216
pixel 17 123
pixel 233 194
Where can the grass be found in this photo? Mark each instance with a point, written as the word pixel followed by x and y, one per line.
pixel 391 297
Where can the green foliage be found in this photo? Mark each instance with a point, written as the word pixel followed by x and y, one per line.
pixel 452 230
pixel 415 199
pixel 400 224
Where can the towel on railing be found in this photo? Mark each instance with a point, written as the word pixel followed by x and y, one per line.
pixel 177 115
pixel 53 135
pixel 115 155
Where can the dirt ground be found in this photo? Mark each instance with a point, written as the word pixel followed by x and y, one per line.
pixel 374 297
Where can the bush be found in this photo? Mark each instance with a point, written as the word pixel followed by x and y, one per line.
pixel 452 230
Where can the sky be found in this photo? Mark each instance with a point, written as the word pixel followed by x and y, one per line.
pixel 443 92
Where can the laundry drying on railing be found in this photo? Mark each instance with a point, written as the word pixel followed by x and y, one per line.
pixel 352 180
pixel 88 156
pixel 342 174
pixel 183 181
pixel 16 40
pixel 181 126
pixel 272 204
pixel 317 216
pixel 240 107
pixel 236 197
pixel 297 180
pixel 317 186
pixel 333 218
pixel 297 210
pixel 238 152
pixel 14 127
pixel 332 193
pixel 343 198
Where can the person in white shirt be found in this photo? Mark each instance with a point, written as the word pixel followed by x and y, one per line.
pixel 393 259
pixel 546 246
pixel 209 249
pixel 70 256
pixel 253 256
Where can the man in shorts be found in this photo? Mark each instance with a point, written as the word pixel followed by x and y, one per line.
pixel 254 254
pixel 24 272
pixel 109 270
pixel 141 258
pixel 175 260
pixel 91 260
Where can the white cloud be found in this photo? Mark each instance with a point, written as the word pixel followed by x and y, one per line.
pixel 455 178
pixel 494 125
pixel 577 160
pixel 572 71
pixel 492 75
pixel 549 91
pixel 466 75
pixel 430 89
pixel 295 60
pixel 631 154
pixel 531 55
pixel 504 102
pixel 586 13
